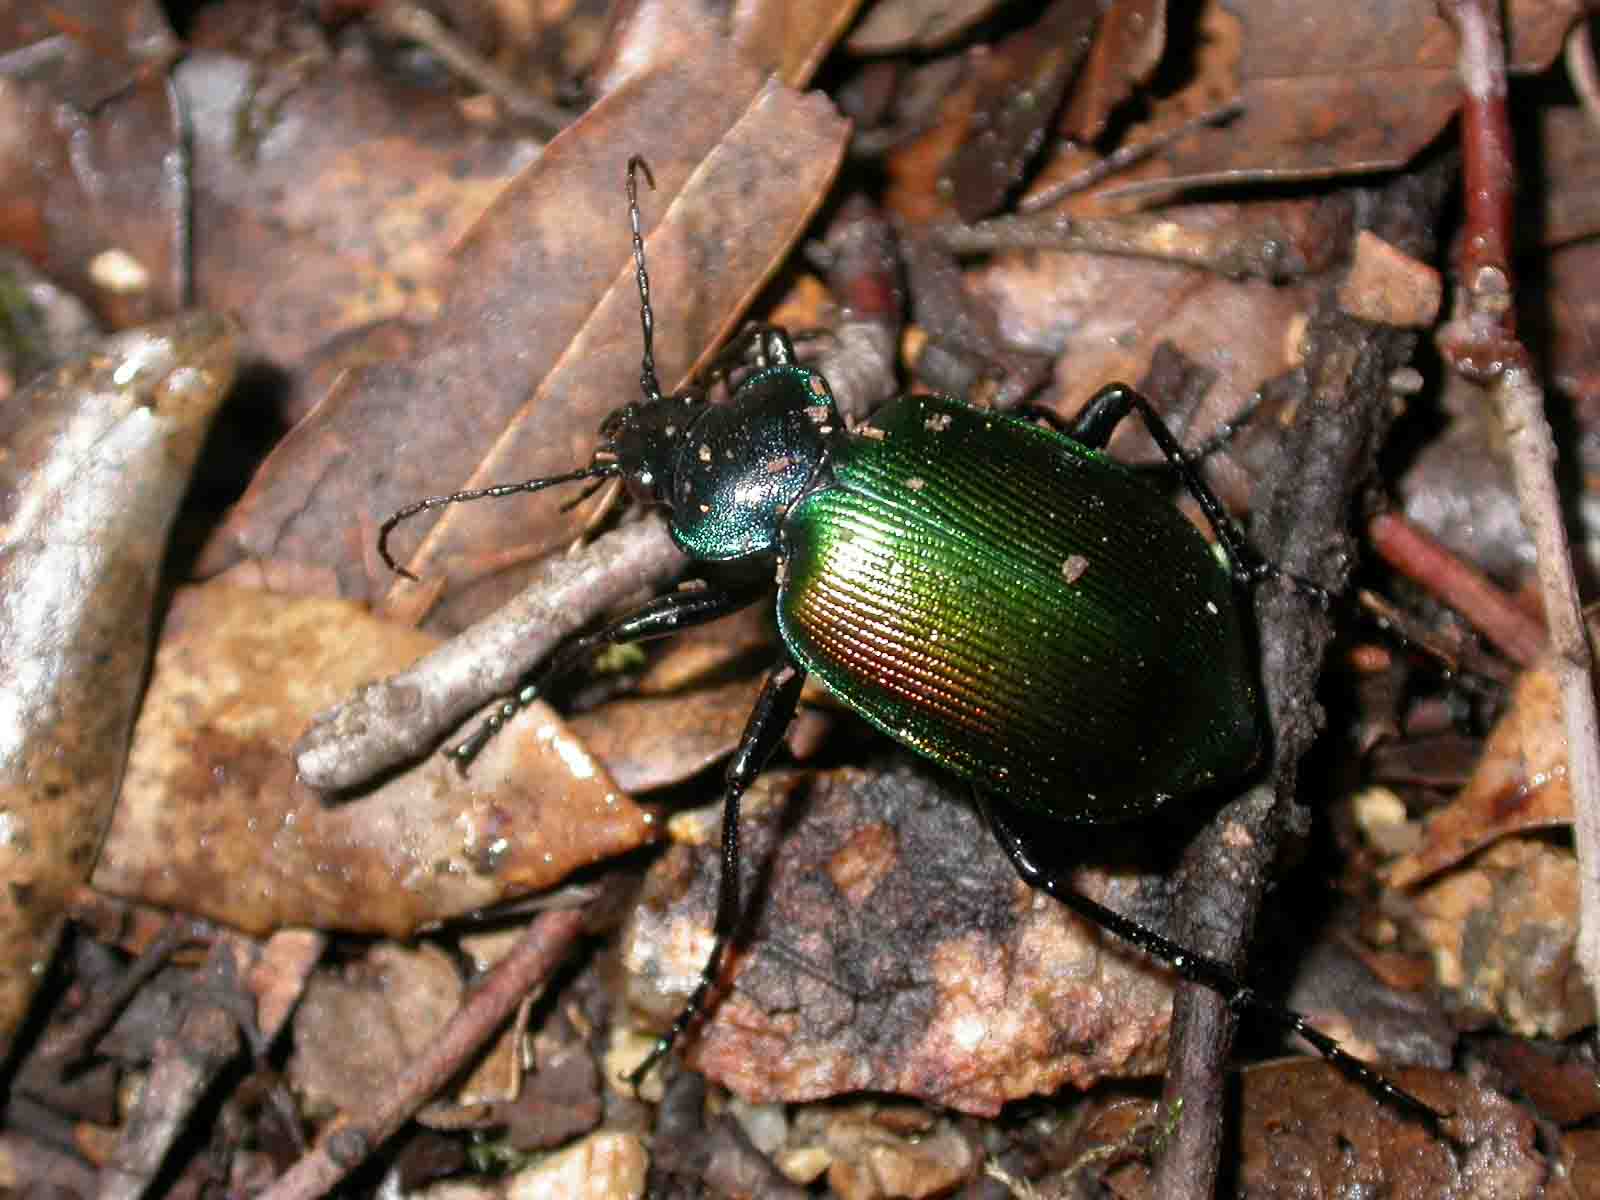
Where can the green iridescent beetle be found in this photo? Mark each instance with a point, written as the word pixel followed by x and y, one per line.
pixel 999 597
pixel 962 580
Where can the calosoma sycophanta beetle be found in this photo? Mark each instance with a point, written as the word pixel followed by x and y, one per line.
pixel 999 597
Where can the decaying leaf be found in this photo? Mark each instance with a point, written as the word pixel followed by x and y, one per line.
pixel 1504 931
pixel 341 208
pixel 1497 904
pixel 356 1029
pixel 1246 331
pixel 653 741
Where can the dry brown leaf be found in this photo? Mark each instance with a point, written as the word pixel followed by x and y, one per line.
pixel 1305 1129
pixel 1520 784
pixel 656 741
pixel 1245 331
pixel 345 210
pixel 357 1028
pixel 539 339
pixel 889 26
pixel 1322 97
pixel 788 41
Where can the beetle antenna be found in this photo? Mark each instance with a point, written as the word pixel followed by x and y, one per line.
pixel 648 383
pixel 598 471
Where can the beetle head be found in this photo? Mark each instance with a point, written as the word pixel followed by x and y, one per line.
pixel 640 439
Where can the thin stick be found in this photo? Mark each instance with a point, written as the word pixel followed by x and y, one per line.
pixel 1480 342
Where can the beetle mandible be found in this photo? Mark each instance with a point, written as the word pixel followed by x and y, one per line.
pixel 1001 598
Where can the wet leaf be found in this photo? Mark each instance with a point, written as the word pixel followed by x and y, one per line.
pixel 86 192
pixel 212 798
pixel 40 323
pixel 96 456
pixel 86 52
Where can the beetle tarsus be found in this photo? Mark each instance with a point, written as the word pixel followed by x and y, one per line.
pixel 661 617
pixel 635 1077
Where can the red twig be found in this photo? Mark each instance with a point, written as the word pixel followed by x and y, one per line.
pixel 1480 343
pixel 1415 553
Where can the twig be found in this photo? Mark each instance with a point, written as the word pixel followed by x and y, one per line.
pixel 351 1137
pixel 183 1073
pixel 1342 408
pixel 421 26
pixel 1480 343
pixel 1520 401
pixel 1420 557
pixel 402 717
pixel 1156 236
pixel 66 1045
pixel 1126 156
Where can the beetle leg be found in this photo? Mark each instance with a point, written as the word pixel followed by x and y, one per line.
pixel 753 346
pixel 1195 968
pixel 1093 428
pixel 1226 431
pixel 769 719
pixel 1085 427
pixel 661 617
